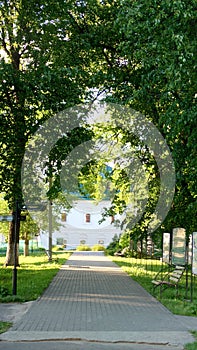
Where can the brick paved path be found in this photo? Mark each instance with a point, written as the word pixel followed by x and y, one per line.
pixel 92 298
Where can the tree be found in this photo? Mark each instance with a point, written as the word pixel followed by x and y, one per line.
pixel 166 48
pixel 125 181
pixel 35 82
pixel 149 53
pixel 141 54
pixel 29 229
pixel 161 39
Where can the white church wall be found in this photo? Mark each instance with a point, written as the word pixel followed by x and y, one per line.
pixel 76 230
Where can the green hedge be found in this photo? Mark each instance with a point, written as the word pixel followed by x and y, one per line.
pixel 81 248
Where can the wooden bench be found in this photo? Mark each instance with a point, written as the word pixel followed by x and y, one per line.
pixel 122 253
pixel 172 279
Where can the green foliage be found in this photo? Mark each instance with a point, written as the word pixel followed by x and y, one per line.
pixel 148 51
pixel 33 276
pixel 139 54
pixel 97 248
pixel 113 246
pixel 42 72
pixel 159 46
pixel 29 228
pixel 93 180
pixel 58 248
pixel 3 205
pixel 4 292
pixel 82 248
pixel 192 346
pixel 124 240
pixel 4 326
pixel 4 226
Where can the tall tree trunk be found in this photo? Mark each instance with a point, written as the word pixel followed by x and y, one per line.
pixel 141 248
pixel 12 255
pixel 26 246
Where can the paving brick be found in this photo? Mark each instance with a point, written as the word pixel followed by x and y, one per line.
pixel 92 295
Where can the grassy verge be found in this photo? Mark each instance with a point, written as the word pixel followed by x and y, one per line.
pixel 143 271
pixel 192 346
pixel 33 276
pixel 4 326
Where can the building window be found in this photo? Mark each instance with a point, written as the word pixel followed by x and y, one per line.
pixel 87 218
pixel 59 241
pixel 82 242
pixel 101 241
pixel 64 217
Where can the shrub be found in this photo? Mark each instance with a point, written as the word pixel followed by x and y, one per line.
pixel 124 240
pixel 98 247
pixel 58 248
pixel 41 249
pixel 113 246
pixel 83 248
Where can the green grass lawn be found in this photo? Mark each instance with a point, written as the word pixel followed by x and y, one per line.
pixel 143 271
pixel 192 346
pixel 4 326
pixel 33 276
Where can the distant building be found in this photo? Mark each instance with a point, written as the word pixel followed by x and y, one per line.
pixel 2 238
pixel 81 225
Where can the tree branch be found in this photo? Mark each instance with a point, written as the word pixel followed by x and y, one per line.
pixel 4 42
pixel 80 29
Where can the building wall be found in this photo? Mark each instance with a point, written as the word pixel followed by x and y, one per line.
pixel 81 226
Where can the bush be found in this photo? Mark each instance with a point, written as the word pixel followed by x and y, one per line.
pixel 98 247
pixel 58 248
pixel 41 249
pixel 81 248
pixel 124 240
pixel 113 246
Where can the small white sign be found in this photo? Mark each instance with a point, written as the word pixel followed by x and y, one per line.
pixel 179 246
pixel 166 247
pixel 6 218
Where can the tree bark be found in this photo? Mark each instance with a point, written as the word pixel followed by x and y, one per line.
pixel 26 246
pixel 12 255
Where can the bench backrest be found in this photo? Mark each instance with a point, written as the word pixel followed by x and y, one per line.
pixel 176 274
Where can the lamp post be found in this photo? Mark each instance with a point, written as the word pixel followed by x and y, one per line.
pixel 50 222
pixel 16 231
pixel 17 219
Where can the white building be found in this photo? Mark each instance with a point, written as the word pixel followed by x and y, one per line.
pixel 81 225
